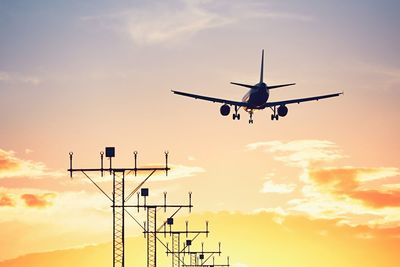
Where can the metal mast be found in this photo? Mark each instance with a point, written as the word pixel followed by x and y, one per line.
pixel 151 229
pixel 118 195
pixel 201 258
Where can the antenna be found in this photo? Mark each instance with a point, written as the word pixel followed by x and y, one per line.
pixel 70 164
pixel 135 156
pixel 102 162
pixel 166 162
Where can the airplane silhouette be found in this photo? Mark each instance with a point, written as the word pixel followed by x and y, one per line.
pixel 256 99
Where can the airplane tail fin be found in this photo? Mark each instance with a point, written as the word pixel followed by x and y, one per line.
pixel 262 67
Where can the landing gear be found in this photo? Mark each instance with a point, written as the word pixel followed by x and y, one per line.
pixel 236 115
pixel 251 117
pixel 274 116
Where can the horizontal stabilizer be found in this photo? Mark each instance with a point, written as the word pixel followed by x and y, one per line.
pixel 279 85
pixel 244 85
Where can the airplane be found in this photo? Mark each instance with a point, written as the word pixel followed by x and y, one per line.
pixel 256 99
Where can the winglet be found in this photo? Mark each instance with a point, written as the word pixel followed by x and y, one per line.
pixel 262 67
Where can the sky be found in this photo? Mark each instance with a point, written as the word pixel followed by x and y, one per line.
pixel 80 76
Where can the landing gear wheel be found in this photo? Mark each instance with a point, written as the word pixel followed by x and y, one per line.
pixel 238 116
pixel 276 117
pixel 272 117
pixel 234 116
pixel 250 121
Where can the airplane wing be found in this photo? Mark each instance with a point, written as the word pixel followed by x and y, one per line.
pixel 298 100
pixel 212 99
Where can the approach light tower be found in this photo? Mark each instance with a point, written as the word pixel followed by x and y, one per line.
pixel 201 258
pixel 151 227
pixel 118 198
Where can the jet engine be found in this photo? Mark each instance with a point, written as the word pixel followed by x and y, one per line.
pixel 282 111
pixel 225 110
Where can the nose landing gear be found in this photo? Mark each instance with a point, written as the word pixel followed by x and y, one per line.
pixel 251 117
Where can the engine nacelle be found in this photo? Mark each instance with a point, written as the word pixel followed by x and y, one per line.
pixel 282 111
pixel 225 110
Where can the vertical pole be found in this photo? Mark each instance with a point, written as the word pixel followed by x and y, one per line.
pixel 193 257
pixel 176 249
pixel 118 218
pixel 135 156
pixel 102 162
pixel 123 218
pixel 166 162
pixel 151 236
pixel 113 219
pixel 70 163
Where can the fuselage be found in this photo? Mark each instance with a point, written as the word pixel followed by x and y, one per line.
pixel 256 96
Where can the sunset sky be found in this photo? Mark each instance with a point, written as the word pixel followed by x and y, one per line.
pixel 81 75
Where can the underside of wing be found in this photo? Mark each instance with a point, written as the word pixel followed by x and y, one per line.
pixel 212 99
pixel 299 100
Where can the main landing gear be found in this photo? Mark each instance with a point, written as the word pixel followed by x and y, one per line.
pixel 274 116
pixel 236 115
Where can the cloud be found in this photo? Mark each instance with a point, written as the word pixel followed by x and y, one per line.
pixel 177 20
pixel 38 200
pixel 378 198
pixel 161 22
pixel 182 171
pixel 354 195
pixel 348 181
pixel 270 187
pixel 11 166
pixel 6 200
pixel 385 77
pixel 8 77
pixel 176 172
pixel 42 218
pixel 298 236
pixel 20 200
pixel 300 152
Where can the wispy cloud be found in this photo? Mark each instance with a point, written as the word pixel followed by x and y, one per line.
pixel 12 166
pixel 20 200
pixel 355 195
pixel 381 76
pixel 10 77
pixel 6 200
pixel 177 171
pixel 38 200
pixel 270 187
pixel 348 181
pixel 300 152
pixel 177 20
